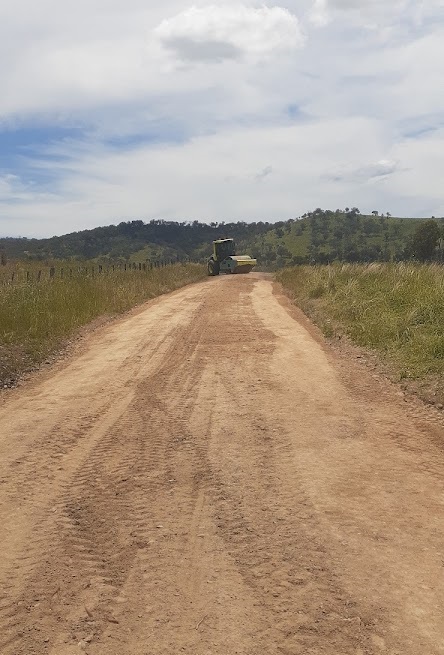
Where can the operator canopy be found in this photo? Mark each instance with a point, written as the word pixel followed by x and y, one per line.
pixel 225 248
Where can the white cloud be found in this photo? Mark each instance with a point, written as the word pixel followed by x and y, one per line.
pixel 216 33
pixel 8 184
pixel 264 173
pixel 318 14
pixel 380 16
pixel 365 173
pixel 222 104
pixel 216 177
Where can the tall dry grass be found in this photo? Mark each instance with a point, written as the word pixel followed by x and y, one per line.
pixel 36 317
pixel 396 309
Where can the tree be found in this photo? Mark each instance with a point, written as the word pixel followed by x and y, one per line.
pixel 424 240
pixel 282 251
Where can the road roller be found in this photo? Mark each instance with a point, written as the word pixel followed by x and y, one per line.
pixel 225 260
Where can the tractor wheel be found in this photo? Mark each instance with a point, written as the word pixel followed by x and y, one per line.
pixel 213 267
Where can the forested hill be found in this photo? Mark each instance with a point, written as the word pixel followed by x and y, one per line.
pixel 320 236
pixel 134 240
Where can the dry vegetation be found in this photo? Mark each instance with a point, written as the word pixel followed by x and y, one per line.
pixel 37 316
pixel 394 309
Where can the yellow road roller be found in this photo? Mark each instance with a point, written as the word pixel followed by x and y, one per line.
pixel 225 260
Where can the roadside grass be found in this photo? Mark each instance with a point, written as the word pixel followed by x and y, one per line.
pixel 37 317
pixel 394 309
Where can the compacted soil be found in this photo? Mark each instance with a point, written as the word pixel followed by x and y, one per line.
pixel 205 476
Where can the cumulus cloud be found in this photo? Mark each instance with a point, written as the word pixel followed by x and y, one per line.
pixel 216 33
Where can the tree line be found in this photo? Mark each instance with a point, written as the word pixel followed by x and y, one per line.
pixel 320 236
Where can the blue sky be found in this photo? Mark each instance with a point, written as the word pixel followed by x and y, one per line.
pixel 229 111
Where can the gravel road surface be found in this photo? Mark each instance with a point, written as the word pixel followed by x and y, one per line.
pixel 205 476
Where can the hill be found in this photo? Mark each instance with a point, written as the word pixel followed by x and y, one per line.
pixel 325 236
pixel 317 237
pixel 132 240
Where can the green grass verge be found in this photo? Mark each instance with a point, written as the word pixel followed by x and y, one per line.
pixel 395 309
pixel 36 317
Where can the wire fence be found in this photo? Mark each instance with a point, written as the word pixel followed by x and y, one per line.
pixel 18 275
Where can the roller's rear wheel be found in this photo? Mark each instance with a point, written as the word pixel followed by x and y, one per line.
pixel 213 268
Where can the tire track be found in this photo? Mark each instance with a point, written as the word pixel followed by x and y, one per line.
pixel 257 521
pixel 89 525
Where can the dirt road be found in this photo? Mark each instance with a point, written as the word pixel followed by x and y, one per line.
pixel 205 477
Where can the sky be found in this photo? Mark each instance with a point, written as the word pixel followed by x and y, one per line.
pixel 114 110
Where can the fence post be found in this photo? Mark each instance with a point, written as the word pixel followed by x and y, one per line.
pixel 39 275
pixel 51 272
